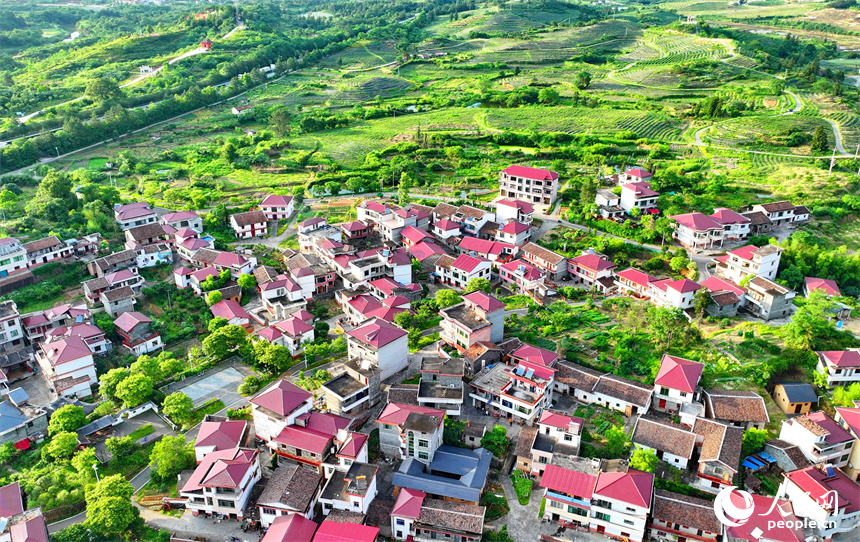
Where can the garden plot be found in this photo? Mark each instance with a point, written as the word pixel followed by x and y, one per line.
pixel 363 91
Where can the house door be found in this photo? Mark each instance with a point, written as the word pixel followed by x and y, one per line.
pixel 661 404
pixel 659 454
pixel 798 408
pixel 601 528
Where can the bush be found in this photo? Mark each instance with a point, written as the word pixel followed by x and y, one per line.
pixel 522 487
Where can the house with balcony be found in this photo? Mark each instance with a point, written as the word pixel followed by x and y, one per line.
pixel 554 440
pixel 94 337
pixel 277 207
pixel 13 256
pixel 768 300
pixel 148 235
pixel 635 282
pixel 568 495
pixel 781 213
pixel 677 518
pixel 355 390
pixel 441 386
pixel 750 260
pixel 612 391
pixel 678 294
pixel 135 214
pixel 309 272
pixel 520 392
pixel 639 195
pixel 93 289
pixel 514 210
pixel 354 231
pixel 635 175
pixel 417 517
pixel 621 503
pixel 819 437
pixel 529 184
pixel 45 250
pixel 741 408
pixel 455 475
pixel 20 525
pixel 277 406
pixel 37 324
pixel 735 225
pixel 69 366
pixel 311 224
pixel 386 287
pixel 514 233
pixel 291 333
pixel 676 383
pixel 849 419
pixel 608 204
pixel 555 265
pixel 520 277
pixel 282 296
pixel 391 227
pixel 152 255
pixel 484 248
pixel 381 343
pixel 137 333
pixel 216 436
pixel 408 431
pixel 367 266
pixel 374 212
pixel 826 496
pixel 222 483
pixel 249 225
pixel 117 261
pixel 235 263
pixel 293 490
pixel 480 317
pixel 593 271
pixel 670 442
pixel 719 446
pixel 361 307
pixel 726 297
pixel 232 312
pixel 458 272
pixel 697 231
pixel 352 490
pixel 312 439
pixel 842 367
pixel 181 220
pixel 310 237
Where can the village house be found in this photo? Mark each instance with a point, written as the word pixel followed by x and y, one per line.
pixel 671 442
pixel 697 230
pixel 568 495
pixel 291 333
pixel 387 287
pixel 181 220
pixel 750 260
pixel 149 234
pixel 454 475
pixel 735 225
pixel 218 435
pixel 355 390
pixel 829 287
pixel 608 204
pixel 411 236
pixel 277 207
pixel 69 366
pixel 118 300
pixel 514 233
pixel 117 261
pixel 593 271
pixel 351 490
pixel 759 223
pixel 719 453
pixel 676 517
pixel 520 277
pixel 768 300
pixel 137 335
pixel 520 392
pixel 638 195
pixel 529 184
pixel 553 263
pixel 93 289
pixel 222 483
pixel 292 491
pixel 415 516
pixel 364 267
pixel 788 456
pixel 849 419
pixel 277 406
pixel 408 431
pixel 383 344
pixel 362 307
pixel 772 520
pixel 612 391
pixel 46 250
pixel 516 210
pixel 795 397
pixel 311 274
pixel 635 175
pixel 480 317
pixel 825 495
pixel 249 225
pixel 621 503
pixel 842 367
pixel 20 525
pixel 281 296
pixel 819 437
pixel 353 231
pixel 634 281
pixel 134 214
pixel 678 294
pixel 676 383
pixel 13 256
pixel 94 337
pixel 781 213
pixel 312 439
pixel 458 272
pixel 555 437
pixel 726 297
pixel 232 312
pixel 445 229
pixel 483 248
pixel 441 386
pixel 394 222
pixel 741 408
pixel 36 324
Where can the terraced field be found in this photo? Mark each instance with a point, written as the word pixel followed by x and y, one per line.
pixel 361 57
pixel 384 87
pixel 762 133
pixel 581 120
pixel 670 49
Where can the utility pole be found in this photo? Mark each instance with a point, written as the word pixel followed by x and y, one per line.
pixel 832 163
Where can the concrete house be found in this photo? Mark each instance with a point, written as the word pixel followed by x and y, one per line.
pixel 183 219
pixel 735 225
pixel 671 442
pixel 719 453
pixel 849 419
pixel 819 437
pixel 697 231
pixel 134 214
pixel 568 495
pixel 608 204
pixel 676 383
pixel 222 483
pixel 407 431
pixel 529 184
pixel 795 397
pixel 13 256
pixel 741 408
pixel 841 366
pixel 480 317
pixel 555 439
pixel 676 517
pixel 352 490
pixel 825 495
pixel 634 281
pixel 638 195
pixel 137 335
pixel 277 207
pixel 417 517
pixel 750 260
pixel 621 503
pixel 520 392
pixel 593 271
pixel 214 436
pixel 455 475
pixel 678 294
pixel 441 386
pixel 381 343
pixel 554 264
pixel 312 439
pixel 249 225
pixel 780 213
pixel 768 300
pixel 277 406
pixel 458 272
pixel 516 210
pixel 612 391
pixel 68 365
pixel 292 492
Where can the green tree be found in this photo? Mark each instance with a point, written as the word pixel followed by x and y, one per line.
pixel 496 441
pixel 120 448
pixel 403 188
pixel 701 300
pixel 109 507
pixel 102 89
pixel 845 396
pixel 446 298
pixel 225 341
pixel 66 419
pixel 8 200
pixel 110 380
pixel 617 442
pixel 452 433
pixel 548 95
pixel 819 140
pixel 246 281
pixel 177 406
pixel 644 460
pixel 213 297
pixel 477 284
pixel 582 80
pixel 134 390
pixel 280 121
pixel 146 365
pixel 169 365
pixel 170 456
pixel 61 446
pixel 753 442
pixel 216 323
pixel 7 453
pixel 809 322
pixel 83 462
pixel 819 378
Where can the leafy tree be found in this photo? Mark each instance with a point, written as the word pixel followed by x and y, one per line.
pixel 119 447
pixel 213 297
pixel 110 380
pixel 280 121
pixel 8 200
pixel 217 323
pixel 403 188
pixel 496 441
pixel 845 396
pixel 177 406
pixel 819 378
pixel 617 442
pixel 809 322
pixel 753 442
pixel 452 433
pixel 548 95
pixel 83 462
pixel 582 80
pixel 701 300
pixel 134 390
pixel 109 507
pixel 61 446
pixel 478 283
pixel 644 460
pixel 66 419
pixel 446 298
pixel 404 320
pixel 169 365
pixel 225 342
pixel 7 452
pixel 819 140
pixel 102 89
pixel 247 282
pixel 275 357
pixel 170 456
pixel 146 365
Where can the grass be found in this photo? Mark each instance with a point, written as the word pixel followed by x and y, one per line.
pixel 210 407
pixel 522 486
pixel 141 432
pixel 495 501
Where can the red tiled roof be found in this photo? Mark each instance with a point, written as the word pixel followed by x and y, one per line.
pixel 396 414
pixel 483 246
pixel 816 484
pixel 282 398
pixel 535 354
pixel 467 263
pixel 330 531
pixel 835 432
pixel 424 249
pixel 230 259
pixel 11 502
pixel 638 172
pixel 415 235
pixel 269 333
pixel 377 333
pixel 353 445
pixel 358 225
pixel 276 201
pixel 828 286
pixel 641 189
pixel 290 528
pixel 745 253
pixel 515 228
pixel 631 487
pixel 127 320
pixel 636 276
pixel 727 216
pixel 222 435
pixel 569 482
pixel 593 262
pixel 523 206
pixel 446 225
pixel 31 530
pixel 228 309
pixel 683 285
pixel 179 215
pixel 485 301
pixel 224 468
pixel 772 524
pixel 679 373
pixel 851 417
pixel 304 438
pixel 842 358
pixel 293 326
pixel 697 222
pixel 717 284
pixel 409 503
pixel 555 419
pixel 531 173
pixel 64 350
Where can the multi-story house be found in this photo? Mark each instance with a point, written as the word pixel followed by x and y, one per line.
pixel 620 504
pixel 381 343
pixel 48 249
pixel 216 436
pixel 364 306
pixel 568 495
pixel 634 281
pixel 331 531
pixel 373 211
pixel 222 483
pixel 516 210
pixel 458 272
pixel 719 453
pixel 411 236
pixel 355 390
pixel 392 224
pixel 555 265
pixel 291 333
pixel 311 224
pixel 484 248
pixel 231 311
pixel 370 265
pixel 455 474
pixel 676 518
pixel 849 419
pixel 277 207
pixel 137 333
pixel 148 234
pixel 842 367
pixel 311 274
pixel 480 317
pixel 292 491
pixel 181 220
pixel 445 229
pixel 277 407
pixel 532 354
pixel 351 490
pixel 819 437
pixel 593 270
pixel 94 288
pixel 94 337
pixel 471 219
pixel 312 439
pixel 826 496
pixel 152 255
pixel 282 296
pixel 554 439
pixel 780 213
pixel 118 300
pixel 514 233
pixel 771 520
pixel 125 259
pixel 676 383
pixel 134 214
pixel 750 260
pixel 735 225
pixel 417 517
pixel 520 392
pixel 608 204
pixel 69 366
pixel 13 256
pixel 11 329
pixel 353 231
pixel 408 431
pixel 638 195
pixel 38 323
pixel 519 276
pixel 635 175
pixel 671 442
pixel 20 525
pixel 741 408
pixel 386 287
pixel 529 184
pixel 679 294
pixel 441 385
pixel 768 300
pixel 697 230
pixel 249 225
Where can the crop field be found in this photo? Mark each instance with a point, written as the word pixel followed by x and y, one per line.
pixel 670 50
pixel 722 10
pixel 363 91
pixel 581 120
pixel 362 56
pixel 765 133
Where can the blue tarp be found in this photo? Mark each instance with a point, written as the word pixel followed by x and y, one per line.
pixel 767 457
pixel 748 463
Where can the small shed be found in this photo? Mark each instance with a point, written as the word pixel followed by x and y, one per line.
pixel 795 397
pixel 206 44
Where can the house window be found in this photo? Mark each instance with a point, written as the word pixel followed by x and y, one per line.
pixel 386 426
pixel 542 459
pixel 226 504
pixel 555 504
pixel 423 455
pixel 568 437
pixel 423 444
pixel 270 511
pixel 401 522
pixel 347 462
pixel 355 504
pixel 683 394
pixel 628 522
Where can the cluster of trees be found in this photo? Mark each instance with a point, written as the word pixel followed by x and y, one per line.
pixel 804 256
pixel 133 386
